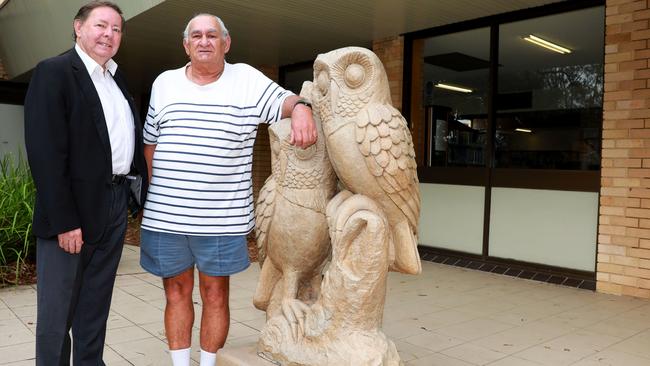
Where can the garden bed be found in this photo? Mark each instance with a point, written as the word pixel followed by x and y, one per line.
pixel 17 244
pixel 25 274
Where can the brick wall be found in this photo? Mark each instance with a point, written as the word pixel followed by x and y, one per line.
pixel 390 51
pixel 3 73
pixel 262 147
pixel 623 263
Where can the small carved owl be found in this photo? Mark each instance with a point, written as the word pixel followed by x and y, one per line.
pixel 369 143
pixel 291 227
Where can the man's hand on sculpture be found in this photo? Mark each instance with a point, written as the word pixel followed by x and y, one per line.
pixel 303 127
pixel 71 241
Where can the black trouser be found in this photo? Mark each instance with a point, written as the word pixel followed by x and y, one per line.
pixel 75 290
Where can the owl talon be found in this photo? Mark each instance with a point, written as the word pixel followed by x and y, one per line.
pixel 295 312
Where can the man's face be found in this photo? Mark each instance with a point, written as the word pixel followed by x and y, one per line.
pixel 100 34
pixel 204 43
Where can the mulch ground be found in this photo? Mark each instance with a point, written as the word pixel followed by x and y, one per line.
pixel 23 274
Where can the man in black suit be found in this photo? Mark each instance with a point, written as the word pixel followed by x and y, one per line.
pixel 84 145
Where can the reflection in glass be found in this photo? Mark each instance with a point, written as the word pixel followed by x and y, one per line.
pixel 454 84
pixel 549 107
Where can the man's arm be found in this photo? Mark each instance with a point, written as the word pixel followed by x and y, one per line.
pixel 303 127
pixel 46 140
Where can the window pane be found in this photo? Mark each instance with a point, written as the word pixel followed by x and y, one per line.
pixel 549 107
pixel 454 86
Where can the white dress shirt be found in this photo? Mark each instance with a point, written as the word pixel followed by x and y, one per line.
pixel 119 119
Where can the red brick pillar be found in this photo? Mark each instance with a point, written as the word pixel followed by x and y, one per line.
pixel 623 263
pixel 391 53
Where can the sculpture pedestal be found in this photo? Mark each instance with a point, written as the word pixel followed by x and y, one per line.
pixel 241 356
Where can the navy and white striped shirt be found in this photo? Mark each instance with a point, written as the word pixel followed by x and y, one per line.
pixel 204 136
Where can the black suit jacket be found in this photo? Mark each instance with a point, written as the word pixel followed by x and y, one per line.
pixel 69 150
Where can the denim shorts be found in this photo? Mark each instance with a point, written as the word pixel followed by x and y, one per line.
pixel 167 255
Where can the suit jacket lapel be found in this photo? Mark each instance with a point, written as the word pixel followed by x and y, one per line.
pixel 89 93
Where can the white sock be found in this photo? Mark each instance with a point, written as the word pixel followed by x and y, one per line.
pixel 208 359
pixel 180 357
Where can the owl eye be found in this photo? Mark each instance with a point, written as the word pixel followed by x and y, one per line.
pixel 323 82
pixel 355 74
pixel 305 154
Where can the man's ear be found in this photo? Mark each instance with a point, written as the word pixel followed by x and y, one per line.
pixel 77 27
pixel 227 45
pixel 186 46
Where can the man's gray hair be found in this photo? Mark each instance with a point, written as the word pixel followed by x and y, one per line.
pixel 224 30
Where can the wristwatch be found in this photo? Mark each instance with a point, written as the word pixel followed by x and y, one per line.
pixel 303 102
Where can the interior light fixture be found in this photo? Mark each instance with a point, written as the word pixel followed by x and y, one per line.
pixel 454 88
pixel 466 122
pixel 547 44
pixel 524 130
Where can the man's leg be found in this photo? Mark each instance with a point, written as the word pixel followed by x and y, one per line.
pixel 99 269
pixel 179 311
pixel 217 258
pixel 215 319
pixel 58 274
pixel 168 256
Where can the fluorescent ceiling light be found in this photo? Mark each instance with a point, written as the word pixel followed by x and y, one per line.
pixel 523 130
pixel 454 88
pixel 546 44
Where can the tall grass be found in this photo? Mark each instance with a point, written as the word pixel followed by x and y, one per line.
pixel 17 193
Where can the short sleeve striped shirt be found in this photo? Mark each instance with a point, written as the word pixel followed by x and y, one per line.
pixel 204 136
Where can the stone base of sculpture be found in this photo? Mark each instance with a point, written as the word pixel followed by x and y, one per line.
pixel 242 356
pixel 343 327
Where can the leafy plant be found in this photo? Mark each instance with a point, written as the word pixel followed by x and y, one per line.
pixel 17 194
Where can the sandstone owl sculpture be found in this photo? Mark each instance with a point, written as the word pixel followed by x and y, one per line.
pixel 291 226
pixel 369 144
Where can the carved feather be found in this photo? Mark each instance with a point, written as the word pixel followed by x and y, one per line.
pixel 391 158
pixel 263 216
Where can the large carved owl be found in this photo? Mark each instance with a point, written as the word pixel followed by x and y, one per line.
pixel 369 143
pixel 291 226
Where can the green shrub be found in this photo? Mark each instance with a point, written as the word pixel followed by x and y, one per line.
pixel 17 194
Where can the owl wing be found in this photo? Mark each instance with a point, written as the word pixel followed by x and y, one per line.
pixel 385 142
pixel 263 216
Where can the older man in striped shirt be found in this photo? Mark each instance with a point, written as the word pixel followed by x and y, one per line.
pixel 199 136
